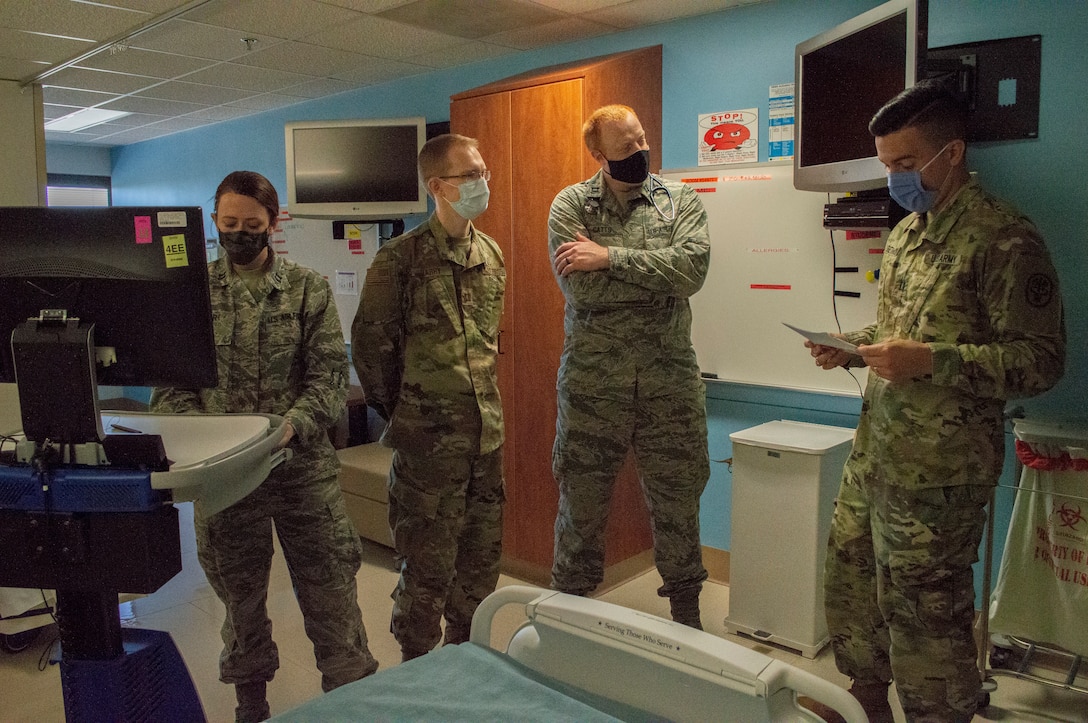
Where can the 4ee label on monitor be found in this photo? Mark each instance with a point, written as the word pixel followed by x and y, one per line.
pixel 174 247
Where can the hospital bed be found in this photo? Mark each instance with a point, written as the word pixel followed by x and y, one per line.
pixel 580 659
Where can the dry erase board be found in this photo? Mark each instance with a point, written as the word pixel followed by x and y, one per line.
pixel 343 261
pixel 772 261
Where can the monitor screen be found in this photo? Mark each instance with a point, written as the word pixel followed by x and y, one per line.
pixel 139 275
pixel 843 77
pixel 348 169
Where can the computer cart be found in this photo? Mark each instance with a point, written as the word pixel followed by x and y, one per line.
pixel 1035 627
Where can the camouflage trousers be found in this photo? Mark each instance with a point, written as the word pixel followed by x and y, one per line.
pixel 593 435
pixel 323 554
pixel 445 514
pixel 899 592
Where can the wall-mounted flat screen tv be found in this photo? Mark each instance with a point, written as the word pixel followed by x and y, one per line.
pixel 355 169
pixel 843 77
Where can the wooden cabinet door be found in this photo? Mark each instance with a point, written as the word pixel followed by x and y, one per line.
pixel 546 123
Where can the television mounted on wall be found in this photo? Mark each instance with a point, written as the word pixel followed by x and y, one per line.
pixel 843 77
pixel 355 169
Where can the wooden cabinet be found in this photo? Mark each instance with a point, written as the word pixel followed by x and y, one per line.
pixel 530 133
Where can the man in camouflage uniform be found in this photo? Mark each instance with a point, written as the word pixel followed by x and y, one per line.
pixel 969 315
pixel 280 351
pixel 424 343
pixel 628 249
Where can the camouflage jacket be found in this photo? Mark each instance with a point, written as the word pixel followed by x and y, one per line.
pixel 284 355
pixel 976 283
pixel 630 324
pixel 425 339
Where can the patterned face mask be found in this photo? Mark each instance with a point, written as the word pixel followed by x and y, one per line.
pixel 243 246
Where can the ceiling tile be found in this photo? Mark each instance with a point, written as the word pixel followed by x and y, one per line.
pixel 471 18
pixel 245 77
pixel 266 101
pixel 379 70
pixel 553 33
pixel 319 88
pixel 82 98
pixel 194 93
pixel 52 110
pixel 383 38
pixel 155 7
pixel 70 19
pixel 146 62
pixel 198 40
pixel 278 18
pixel 99 80
pixel 219 113
pixel 578 6
pixel 470 52
pixel 648 12
pixel 154 106
pixel 134 135
pixel 368 6
pixel 180 123
pixel 35 46
pixel 135 119
pixel 302 57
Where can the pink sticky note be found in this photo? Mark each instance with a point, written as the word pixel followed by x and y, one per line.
pixel 143 229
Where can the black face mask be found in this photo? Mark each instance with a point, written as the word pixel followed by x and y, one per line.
pixel 632 169
pixel 243 246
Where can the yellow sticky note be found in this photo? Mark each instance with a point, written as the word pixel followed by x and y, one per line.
pixel 353 232
pixel 174 247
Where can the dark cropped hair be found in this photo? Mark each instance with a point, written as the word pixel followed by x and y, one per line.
pixel 929 106
pixel 254 185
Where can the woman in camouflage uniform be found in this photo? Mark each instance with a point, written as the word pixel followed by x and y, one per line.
pixel 280 351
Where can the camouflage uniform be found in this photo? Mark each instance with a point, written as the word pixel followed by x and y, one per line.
pixel 628 378
pixel 424 343
pixel 975 282
pixel 281 355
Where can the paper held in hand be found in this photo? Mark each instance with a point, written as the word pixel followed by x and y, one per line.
pixel 824 339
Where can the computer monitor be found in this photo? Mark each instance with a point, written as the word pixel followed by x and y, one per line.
pixel 116 296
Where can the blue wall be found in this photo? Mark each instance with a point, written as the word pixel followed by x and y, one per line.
pixel 716 62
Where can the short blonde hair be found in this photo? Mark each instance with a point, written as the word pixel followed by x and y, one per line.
pixel 434 156
pixel 591 129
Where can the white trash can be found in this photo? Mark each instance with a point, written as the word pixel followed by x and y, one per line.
pixel 785 478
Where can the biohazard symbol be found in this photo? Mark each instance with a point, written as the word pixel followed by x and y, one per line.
pixel 1069 516
pixel 726 136
pixel 1039 291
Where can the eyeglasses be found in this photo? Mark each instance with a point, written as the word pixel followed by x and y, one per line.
pixel 471 176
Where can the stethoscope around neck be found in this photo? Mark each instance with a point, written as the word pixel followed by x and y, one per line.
pixel 593 203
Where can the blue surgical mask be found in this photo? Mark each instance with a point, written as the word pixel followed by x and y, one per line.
pixel 906 189
pixel 473 200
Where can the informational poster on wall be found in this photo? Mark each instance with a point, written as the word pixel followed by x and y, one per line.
pixel 729 137
pixel 339 251
pixel 780 122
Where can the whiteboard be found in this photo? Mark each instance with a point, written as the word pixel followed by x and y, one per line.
pixel 771 262
pixel 343 262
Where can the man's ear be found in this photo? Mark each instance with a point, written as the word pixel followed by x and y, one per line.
pixel 958 148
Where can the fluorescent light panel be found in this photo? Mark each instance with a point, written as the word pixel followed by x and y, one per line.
pixel 83 119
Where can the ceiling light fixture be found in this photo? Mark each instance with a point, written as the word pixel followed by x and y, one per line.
pixel 84 118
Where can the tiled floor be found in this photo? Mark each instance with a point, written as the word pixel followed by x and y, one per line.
pixel 187 608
